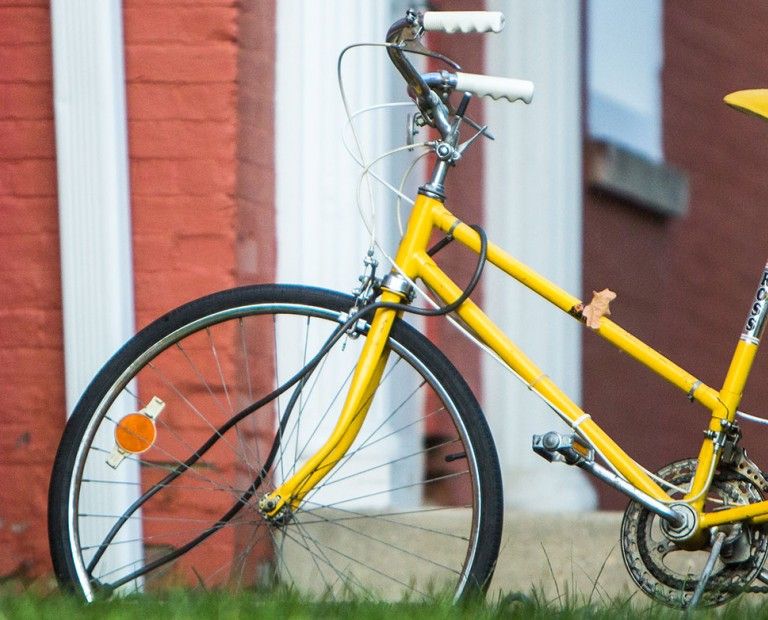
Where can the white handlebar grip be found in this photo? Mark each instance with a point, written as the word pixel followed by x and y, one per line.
pixel 495 87
pixel 463 21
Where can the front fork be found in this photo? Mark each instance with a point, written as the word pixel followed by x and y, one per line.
pixel 370 367
pixel 365 380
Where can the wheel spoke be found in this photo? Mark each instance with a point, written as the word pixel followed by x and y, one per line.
pixel 253 380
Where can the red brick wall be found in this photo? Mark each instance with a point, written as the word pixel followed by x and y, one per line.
pixel 200 90
pixel 199 94
pixel 31 359
pixel 181 69
pixel 684 285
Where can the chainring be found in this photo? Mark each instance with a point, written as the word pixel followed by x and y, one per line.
pixel 667 572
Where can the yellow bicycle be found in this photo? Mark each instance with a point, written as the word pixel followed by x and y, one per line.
pixel 277 434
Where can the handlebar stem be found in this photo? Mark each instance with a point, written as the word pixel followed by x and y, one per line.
pixel 431 106
pixel 447 156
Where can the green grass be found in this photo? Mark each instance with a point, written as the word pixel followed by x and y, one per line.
pixel 36 603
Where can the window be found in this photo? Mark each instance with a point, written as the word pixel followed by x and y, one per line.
pixel 625 54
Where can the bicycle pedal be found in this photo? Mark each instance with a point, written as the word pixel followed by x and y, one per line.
pixel 558 448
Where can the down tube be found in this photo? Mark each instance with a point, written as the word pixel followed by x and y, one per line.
pixel 536 380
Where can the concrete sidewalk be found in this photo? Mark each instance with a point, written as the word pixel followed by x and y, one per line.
pixel 563 553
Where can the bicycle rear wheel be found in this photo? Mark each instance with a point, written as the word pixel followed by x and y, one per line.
pixel 414 507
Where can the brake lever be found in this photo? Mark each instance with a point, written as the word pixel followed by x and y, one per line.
pixel 414 122
pixel 481 131
pixel 461 114
pixel 415 46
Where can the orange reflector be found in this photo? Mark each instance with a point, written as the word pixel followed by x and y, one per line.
pixel 135 433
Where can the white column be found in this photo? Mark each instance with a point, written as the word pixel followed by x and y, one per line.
pixel 533 209
pixel 92 164
pixel 320 237
pixel 94 217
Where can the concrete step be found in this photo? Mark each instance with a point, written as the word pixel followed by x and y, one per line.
pixel 551 554
pixel 570 558
pixel 559 554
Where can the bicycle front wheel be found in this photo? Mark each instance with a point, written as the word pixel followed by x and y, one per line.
pixel 157 479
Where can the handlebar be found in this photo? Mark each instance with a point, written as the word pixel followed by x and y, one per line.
pixel 494 87
pixel 463 21
pixel 403 36
pixel 400 33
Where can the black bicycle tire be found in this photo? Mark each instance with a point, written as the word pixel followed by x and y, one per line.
pixel 490 509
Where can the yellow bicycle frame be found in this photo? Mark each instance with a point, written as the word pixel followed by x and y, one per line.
pixel 413 261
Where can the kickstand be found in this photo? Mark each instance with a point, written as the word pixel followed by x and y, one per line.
pixel 717 544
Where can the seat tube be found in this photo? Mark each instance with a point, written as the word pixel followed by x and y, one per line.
pixel 746 349
pixel 733 388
